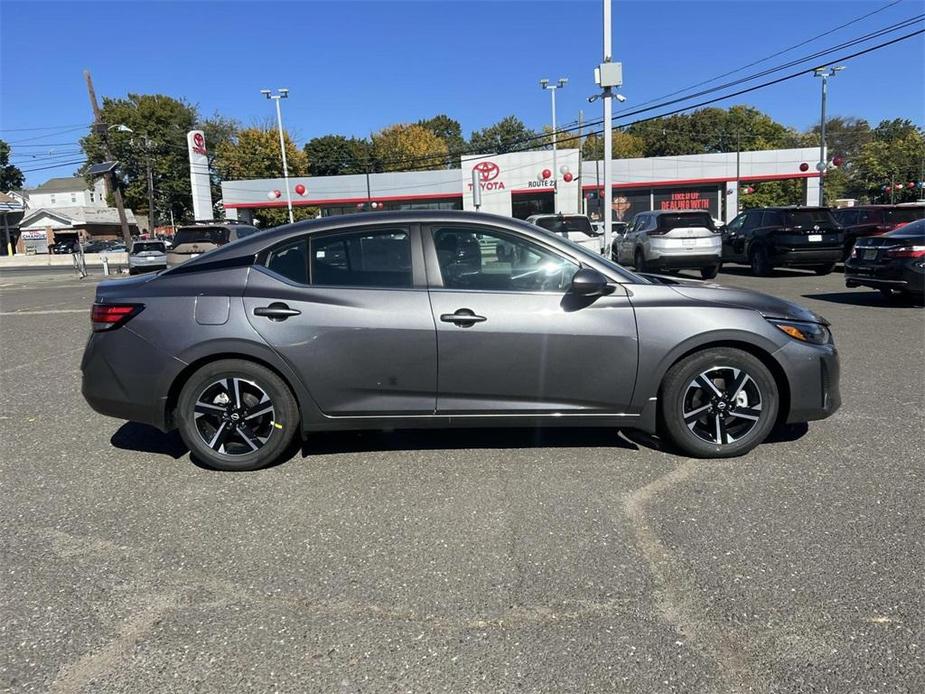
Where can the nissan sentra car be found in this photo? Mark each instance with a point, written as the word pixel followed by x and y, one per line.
pixel 444 319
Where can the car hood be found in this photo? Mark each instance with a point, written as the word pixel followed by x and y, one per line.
pixel 767 305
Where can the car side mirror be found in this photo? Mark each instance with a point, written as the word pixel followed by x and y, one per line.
pixel 588 282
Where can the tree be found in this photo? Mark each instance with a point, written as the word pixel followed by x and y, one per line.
pixel 507 135
pixel 10 175
pixel 625 146
pixel 218 131
pixel 254 153
pixel 405 147
pixel 331 155
pixel 894 155
pixel 448 130
pixel 158 125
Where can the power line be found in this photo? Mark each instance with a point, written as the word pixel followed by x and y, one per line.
pixel 55 166
pixel 774 55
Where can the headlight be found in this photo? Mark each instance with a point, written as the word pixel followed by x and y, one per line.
pixel 814 333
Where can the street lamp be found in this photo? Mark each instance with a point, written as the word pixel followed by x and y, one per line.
pixel 544 84
pixel 281 94
pixel 824 73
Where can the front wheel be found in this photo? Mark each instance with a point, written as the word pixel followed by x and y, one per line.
pixel 824 269
pixel 719 403
pixel 710 271
pixel 237 415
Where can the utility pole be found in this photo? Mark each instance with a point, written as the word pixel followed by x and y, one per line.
pixel 282 94
pixel 581 118
pixel 111 181
pixel 544 84
pixel 151 220
pixel 608 75
pixel 823 165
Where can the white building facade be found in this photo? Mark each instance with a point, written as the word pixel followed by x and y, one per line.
pixel 519 184
pixel 67 192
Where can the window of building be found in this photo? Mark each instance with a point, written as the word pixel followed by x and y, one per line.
pixel 374 258
pixel 290 261
pixel 73 197
pixel 52 199
pixel 479 259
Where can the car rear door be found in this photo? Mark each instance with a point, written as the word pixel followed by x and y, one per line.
pixel 511 339
pixel 349 310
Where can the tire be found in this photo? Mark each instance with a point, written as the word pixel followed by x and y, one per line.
pixel 229 427
pixel 639 261
pixel 758 259
pixel 824 269
pixel 886 292
pixel 685 391
pixel 709 272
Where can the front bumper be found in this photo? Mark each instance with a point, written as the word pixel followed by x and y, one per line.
pixel 813 373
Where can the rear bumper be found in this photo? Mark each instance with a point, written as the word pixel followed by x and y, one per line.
pixel 807 256
pixel 680 261
pixel 123 374
pixel 905 275
pixel 813 373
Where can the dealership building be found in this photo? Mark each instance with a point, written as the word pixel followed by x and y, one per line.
pixel 519 184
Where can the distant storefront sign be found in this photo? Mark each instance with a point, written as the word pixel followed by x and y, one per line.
pixel 628 202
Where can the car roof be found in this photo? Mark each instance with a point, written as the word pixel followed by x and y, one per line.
pixel 249 246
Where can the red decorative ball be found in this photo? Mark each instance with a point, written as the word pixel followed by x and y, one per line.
pixel 910 184
pixel 838 160
pixel 804 166
pixel 567 177
pixel 360 205
pixel 546 173
pixel 899 186
pixel 749 190
pixel 300 189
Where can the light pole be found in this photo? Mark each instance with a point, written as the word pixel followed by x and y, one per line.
pixel 281 94
pixel 608 75
pixel 824 73
pixel 544 84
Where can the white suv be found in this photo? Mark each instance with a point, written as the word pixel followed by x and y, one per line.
pixel 671 240
pixel 574 227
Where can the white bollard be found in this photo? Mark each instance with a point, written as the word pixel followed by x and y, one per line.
pixel 105 265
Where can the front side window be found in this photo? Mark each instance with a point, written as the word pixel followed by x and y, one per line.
pixel 752 220
pixel 374 258
pixel 736 223
pixel 478 259
pixel 772 218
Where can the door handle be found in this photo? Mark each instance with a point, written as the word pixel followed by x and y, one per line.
pixel 276 311
pixel 463 317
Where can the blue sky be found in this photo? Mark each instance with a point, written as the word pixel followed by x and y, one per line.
pixel 353 68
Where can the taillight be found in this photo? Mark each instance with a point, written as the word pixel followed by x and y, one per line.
pixel 907 252
pixel 109 316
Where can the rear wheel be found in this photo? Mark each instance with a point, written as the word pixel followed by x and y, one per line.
pixel 710 271
pixel 824 269
pixel 886 292
pixel 719 403
pixel 237 415
pixel 639 260
pixel 759 261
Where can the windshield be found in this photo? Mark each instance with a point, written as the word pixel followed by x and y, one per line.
pixel 809 218
pixel 565 224
pixel 141 246
pixel 216 235
pixel 676 221
pixel 903 215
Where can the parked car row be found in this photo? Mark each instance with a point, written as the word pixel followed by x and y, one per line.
pixel 814 238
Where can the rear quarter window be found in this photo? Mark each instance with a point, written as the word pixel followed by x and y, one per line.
pixel 809 218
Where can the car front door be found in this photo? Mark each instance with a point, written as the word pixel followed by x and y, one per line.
pixel 349 310
pixel 512 339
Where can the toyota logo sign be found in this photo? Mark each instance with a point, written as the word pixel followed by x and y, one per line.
pixel 488 170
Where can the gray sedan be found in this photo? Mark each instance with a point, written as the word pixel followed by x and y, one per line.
pixel 444 319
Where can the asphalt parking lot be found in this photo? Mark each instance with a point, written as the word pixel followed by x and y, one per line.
pixel 466 561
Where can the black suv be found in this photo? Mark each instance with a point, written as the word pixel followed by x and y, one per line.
pixel 869 220
pixel 769 237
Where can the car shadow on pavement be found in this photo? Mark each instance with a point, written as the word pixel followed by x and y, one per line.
pixel 745 271
pixel 133 436
pixel 321 443
pixel 868 298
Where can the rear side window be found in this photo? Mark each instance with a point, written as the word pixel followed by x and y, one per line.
pixel 216 235
pixel 376 258
pixel 290 261
pixel 870 216
pixel 243 232
pixel 772 218
pixel 809 218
